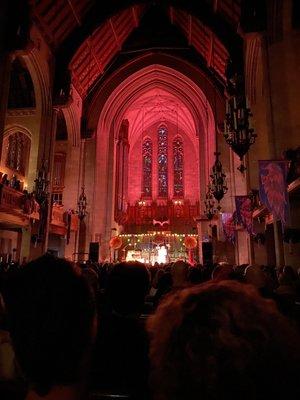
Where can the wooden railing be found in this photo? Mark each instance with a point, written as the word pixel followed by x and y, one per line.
pixel 10 198
pixel 57 217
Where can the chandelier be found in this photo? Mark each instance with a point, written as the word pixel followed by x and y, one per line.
pixel 41 184
pixel 209 204
pixel 218 185
pixel 41 196
pixel 82 203
pixel 237 131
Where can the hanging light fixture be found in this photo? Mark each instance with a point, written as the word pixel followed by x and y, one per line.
pixel 218 180
pixel 41 184
pixel 209 204
pixel 237 131
pixel 218 185
pixel 82 204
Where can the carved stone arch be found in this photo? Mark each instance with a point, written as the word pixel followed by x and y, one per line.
pixel 72 112
pixel 112 112
pixel 17 128
pixel 41 79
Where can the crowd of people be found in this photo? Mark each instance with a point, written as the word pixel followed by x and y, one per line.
pixel 163 332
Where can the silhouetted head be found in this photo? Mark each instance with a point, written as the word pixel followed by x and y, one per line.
pixel 127 286
pixel 221 340
pixel 51 318
pixel 179 272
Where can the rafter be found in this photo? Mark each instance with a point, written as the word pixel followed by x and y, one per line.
pixel 115 34
pixel 74 12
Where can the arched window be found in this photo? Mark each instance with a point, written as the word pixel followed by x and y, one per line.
pixel 147 168
pixel 18 148
pixel 178 167
pixel 162 162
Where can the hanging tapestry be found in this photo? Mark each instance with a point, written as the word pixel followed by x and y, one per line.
pixel 244 212
pixel 273 188
pixel 228 224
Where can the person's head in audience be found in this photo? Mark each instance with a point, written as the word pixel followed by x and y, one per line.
pixel 127 286
pixel 195 275
pixel 254 275
pixel 180 272
pixel 221 340
pixel 222 271
pixel 51 317
pixel 288 276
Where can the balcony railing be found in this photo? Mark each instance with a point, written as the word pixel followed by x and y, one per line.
pixel 177 216
pixel 10 199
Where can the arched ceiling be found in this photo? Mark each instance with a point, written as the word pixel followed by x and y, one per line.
pixel 159 106
pixel 94 55
pixel 58 19
pixel 159 94
pixel 96 52
pixel 87 36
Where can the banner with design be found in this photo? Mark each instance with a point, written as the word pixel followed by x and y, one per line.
pixel 228 224
pixel 244 212
pixel 273 188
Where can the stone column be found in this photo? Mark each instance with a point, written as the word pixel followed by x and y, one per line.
pixel 278 244
pixel 50 156
pixel 121 189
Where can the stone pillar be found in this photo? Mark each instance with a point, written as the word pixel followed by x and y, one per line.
pixel 200 236
pixel 278 244
pixel 50 155
pixel 121 185
pixel 24 238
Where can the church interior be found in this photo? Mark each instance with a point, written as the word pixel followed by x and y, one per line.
pixel 149 199
pixel 127 126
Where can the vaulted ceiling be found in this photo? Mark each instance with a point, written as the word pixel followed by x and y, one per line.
pixel 97 51
pixel 88 35
pixel 59 18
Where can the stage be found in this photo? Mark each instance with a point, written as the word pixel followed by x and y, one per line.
pixel 158 247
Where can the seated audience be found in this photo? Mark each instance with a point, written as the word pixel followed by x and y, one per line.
pixel 51 316
pixel 222 340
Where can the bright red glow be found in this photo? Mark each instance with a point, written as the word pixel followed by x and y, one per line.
pixel 154 96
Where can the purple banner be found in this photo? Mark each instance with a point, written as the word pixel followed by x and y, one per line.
pixel 228 223
pixel 244 212
pixel 273 188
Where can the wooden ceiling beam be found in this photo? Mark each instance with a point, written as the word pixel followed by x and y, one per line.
pixel 115 34
pixel 135 17
pixel 76 16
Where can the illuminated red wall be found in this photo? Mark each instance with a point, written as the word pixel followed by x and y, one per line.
pixel 191 175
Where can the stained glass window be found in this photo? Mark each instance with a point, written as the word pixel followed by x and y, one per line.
pixel 147 168
pixel 17 152
pixel 178 167
pixel 162 162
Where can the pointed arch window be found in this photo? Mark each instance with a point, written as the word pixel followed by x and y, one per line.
pixel 162 162
pixel 18 148
pixel 147 168
pixel 178 167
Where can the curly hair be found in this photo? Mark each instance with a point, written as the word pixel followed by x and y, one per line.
pixel 222 340
pixel 50 314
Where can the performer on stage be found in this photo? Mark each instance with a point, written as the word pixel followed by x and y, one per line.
pixel 162 255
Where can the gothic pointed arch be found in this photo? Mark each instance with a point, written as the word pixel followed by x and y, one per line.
pixel 162 159
pixel 147 162
pixel 178 167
